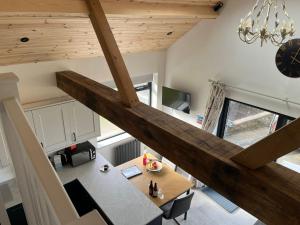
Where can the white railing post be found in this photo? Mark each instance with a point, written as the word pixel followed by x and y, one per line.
pixel 8 88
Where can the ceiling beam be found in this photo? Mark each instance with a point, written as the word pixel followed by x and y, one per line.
pixel 112 53
pixel 133 9
pixel 272 147
pixel 271 193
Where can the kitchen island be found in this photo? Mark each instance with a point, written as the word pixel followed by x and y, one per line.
pixel 120 201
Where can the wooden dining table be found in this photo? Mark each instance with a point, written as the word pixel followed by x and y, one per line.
pixel 169 182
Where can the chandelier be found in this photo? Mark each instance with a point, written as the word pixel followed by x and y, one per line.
pixel 257 23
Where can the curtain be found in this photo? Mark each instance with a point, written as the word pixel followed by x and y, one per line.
pixel 213 110
pixel 214 106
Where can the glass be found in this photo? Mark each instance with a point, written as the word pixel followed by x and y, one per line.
pixel 108 129
pixel 144 96
pixel 160 194
pixel 291 160
pixel 246 124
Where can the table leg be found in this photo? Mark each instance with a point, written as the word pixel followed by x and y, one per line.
pixel 185 214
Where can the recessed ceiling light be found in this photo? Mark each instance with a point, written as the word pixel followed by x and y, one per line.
pixel 24 39
pixel 170 33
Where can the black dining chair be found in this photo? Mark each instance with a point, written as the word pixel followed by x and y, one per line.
pixel 177 207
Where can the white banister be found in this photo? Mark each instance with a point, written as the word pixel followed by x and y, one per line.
pixel 45 200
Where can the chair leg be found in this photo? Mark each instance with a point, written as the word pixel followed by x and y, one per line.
pixel 185 216
pixel 176 221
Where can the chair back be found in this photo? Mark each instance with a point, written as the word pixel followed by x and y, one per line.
pixel 168 162
pixel 181 205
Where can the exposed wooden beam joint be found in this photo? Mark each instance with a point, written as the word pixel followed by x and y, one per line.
pixel 271 193
pixel 112 53
pixel 272 147
pixel 134 9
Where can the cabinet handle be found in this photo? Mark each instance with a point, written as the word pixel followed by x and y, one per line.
pixel 74 136
pixel 42 144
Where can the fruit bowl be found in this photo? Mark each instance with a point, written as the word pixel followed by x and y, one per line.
pixel 154 166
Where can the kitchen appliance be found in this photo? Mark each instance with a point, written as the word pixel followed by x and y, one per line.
pixel 80 154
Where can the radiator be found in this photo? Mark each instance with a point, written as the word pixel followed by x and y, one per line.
pixel 127 152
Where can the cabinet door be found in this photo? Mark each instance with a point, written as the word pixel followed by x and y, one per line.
pixel 52 131
pixel 85 124
pixel 29 117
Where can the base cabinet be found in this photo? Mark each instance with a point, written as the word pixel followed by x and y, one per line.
pixel 59 125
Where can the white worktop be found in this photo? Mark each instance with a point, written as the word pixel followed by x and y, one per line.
pixel 122 202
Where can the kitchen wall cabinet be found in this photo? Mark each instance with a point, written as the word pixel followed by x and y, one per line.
pixel 29 117
pixel 51 129
pixel 84 123
pixel 60 124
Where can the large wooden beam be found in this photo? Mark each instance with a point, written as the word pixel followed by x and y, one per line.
pixel 140 9
pixel 112 53
pixel 271 193
pixel 280 143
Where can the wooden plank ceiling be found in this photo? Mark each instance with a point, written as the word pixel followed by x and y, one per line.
pixel 138 26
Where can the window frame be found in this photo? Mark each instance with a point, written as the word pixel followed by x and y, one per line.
pixel 141 87
pixel 282 119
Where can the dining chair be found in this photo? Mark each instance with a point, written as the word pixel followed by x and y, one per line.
pixel 177 207
pixel 169 163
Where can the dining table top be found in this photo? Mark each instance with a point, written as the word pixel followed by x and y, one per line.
pixel 169 182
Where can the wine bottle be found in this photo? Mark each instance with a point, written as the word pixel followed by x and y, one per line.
pixel 151 188
pixel 155 190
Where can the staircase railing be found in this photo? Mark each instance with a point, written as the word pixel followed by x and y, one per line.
pixel 44 199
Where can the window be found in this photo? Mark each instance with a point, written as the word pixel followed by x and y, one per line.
pixel 108 129
pixel 144 93
pixel 245 124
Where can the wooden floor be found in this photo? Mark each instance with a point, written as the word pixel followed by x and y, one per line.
pixel 205 211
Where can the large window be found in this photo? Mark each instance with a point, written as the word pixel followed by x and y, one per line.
pixel 108 129
pixel 245 124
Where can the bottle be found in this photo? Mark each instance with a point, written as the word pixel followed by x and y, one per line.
pixel 145 159
pixel 155 190
pixel 151 188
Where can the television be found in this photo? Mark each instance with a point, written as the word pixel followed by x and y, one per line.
pixel 176 99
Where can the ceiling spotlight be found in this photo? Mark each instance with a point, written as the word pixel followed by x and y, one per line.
pixel 24 39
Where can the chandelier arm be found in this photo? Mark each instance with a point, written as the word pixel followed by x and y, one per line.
pixel 252 27
pixel 247 39
pixel 277 21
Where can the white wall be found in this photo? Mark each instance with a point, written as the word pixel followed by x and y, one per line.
pixel 213 50
pixel 37 80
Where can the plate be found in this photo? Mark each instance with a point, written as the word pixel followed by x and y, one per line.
pixel 151 166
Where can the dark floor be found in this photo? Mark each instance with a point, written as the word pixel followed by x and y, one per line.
pixel 16 215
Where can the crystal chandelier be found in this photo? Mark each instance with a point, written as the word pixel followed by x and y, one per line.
pixel 256 24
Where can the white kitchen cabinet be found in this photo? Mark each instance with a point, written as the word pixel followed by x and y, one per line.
pixel 84 123
pixel 51 127
pixel 58 123
pixel 29 117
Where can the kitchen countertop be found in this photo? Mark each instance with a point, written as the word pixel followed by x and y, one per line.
pixel 121 201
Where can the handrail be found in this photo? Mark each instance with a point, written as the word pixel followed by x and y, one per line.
pixel 51 184
pixel 62 205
